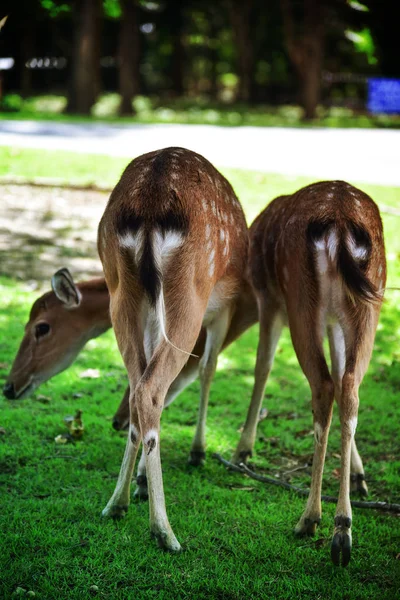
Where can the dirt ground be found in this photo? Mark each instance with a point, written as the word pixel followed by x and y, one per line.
pixel 45 228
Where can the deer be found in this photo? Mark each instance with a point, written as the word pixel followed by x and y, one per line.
pixel 173 243
pixel 317 264
pixel 63 320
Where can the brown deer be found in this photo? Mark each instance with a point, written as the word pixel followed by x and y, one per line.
pixel 317 263
pixel 62 321
pixel 173 243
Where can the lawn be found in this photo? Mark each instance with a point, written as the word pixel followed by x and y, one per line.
pixel 193 111
pixel 237 534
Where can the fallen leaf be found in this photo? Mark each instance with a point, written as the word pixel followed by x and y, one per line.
pixel 336 473
pixel 241 488
pixel 3 365
pixel 90 374
pixel 320 543
pixel 75 425
pixel 63 438
pixel 43 399
pixel 336 455
pixel 2 431
pixel 304 433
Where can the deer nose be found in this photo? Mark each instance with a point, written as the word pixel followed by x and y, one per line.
pixel 115 424
pixel 9 391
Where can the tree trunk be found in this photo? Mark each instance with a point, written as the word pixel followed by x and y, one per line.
pixel 86 56
pixel 128 55
pixel 178 51
pixel 311 90
pixel 305 51
pixel 240 14
pixel 27 52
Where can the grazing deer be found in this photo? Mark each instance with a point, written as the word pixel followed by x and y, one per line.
pixel 62 321
pixel 317 263
pixel 173 243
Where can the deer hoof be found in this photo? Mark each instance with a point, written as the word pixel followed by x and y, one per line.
pixel 341 547
pixel 141 492
pixel 307 526
pixel 197 458
pixel 115 511
pixel 166 540
pixel 241 456
pixel 358 484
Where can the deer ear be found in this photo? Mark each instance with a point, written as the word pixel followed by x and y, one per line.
pixel 65 289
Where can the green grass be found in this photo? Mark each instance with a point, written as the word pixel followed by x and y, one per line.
pixel 237 534
pixel 193 111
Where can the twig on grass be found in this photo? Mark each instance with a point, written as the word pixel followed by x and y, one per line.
pixel 242 468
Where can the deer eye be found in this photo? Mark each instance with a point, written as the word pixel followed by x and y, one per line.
pixel 41 329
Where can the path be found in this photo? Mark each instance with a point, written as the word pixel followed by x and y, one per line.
pixel 356 155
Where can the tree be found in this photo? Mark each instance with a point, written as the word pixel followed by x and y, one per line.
pixel 241 14
pixel 85 85
pixel 304 38
pixel 128 55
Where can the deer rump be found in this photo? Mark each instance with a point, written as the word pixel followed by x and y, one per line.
pixel 346 248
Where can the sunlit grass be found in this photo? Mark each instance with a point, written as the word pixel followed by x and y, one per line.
pixel 191 111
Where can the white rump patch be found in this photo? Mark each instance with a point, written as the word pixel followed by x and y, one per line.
pixel 133 241
pixel 166 244
pixel 358 252
pixel 332 244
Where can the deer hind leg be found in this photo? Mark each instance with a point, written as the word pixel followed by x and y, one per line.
pixel 271 324
pixel 338 357
pixel 185 378
pixel 307 341
pixel 161 371
pixel 358 352
pixel 216 333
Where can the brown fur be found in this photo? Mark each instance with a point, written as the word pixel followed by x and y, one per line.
pixel 298 281
pixel 176 195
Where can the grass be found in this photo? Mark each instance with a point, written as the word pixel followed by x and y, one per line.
pixel 237 534
pixel 193 111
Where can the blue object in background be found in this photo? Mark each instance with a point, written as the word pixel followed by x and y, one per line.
pixel 383 95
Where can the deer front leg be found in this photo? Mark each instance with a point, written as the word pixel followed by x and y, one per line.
pixel 117 506
pixel 357 475
pixel 216 333
pixel 271 324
